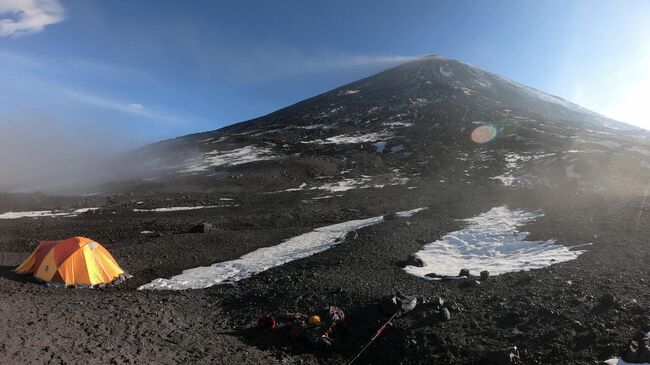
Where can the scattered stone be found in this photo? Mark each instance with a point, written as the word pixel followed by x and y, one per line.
pixel 201 228
pixel 438 301
pixel 352 235
pixel 485 275
pixel 464 272
pixel 445 315
pixel 607 300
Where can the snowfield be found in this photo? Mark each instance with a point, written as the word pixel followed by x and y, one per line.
pixel 178 209
pixel 237 156
pixel 45 213
pixel 491 242
pixel 295 248
pixel 350 139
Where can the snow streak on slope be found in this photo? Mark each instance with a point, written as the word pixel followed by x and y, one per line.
pixel 265 258
pixel 490 242
pixel 178 209
pixel 45 213
pixel 234 157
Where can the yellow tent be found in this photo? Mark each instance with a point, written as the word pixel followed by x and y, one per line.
pixel 73 261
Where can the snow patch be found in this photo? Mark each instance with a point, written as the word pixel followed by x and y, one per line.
pixel 45 213
pixel 398 148
pixel 348 92
pixel 397 124
pixel 262 259
pixel 178 209
pixel 380 146
pixel 490 242
pixel 233 157
pixel 349 139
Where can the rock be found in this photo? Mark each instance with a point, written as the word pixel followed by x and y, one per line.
pixel 453 307
pixel 485 275
pixel 437 301
pixel 630 354
pixel 413 260
pixel 607 300
pixel 352 235
pixel 445 315
pixel 464 272
pixel 201 228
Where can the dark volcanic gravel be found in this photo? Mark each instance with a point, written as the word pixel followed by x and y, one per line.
pixel 576 312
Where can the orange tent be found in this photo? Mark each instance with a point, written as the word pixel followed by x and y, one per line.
pixel 73 261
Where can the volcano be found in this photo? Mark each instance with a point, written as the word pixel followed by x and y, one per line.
pixel 430 119
pixel 418 180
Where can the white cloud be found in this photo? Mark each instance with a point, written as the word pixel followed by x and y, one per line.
pixel 135 106
pixel 133 109
pixel 22 17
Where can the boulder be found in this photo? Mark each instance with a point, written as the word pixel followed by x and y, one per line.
pixel 485 275
pixel 352 235
pixel 201 228
pixel 445 315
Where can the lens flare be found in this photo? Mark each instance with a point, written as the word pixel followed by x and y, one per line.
pixel 484 134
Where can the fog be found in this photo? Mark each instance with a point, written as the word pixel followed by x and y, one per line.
pixel 41 154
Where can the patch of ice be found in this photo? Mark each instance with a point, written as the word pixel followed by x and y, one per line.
pixel 147 232
pixel 348 92
pixel 445 72
pixel 237 156
pixel 178 209
pixel 506 180
pixel 512 164
pixel 301 187
pixel 397 124
pixel 410 213
pixel 380 146
pixel 262 259
pixel 45 213
pixel 490 242
pixel 467 91
pixel 398 148
pixel 349 139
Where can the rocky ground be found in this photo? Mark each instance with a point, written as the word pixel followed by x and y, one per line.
pixel 578 312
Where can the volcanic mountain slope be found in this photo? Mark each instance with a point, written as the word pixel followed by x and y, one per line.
pixel 417 121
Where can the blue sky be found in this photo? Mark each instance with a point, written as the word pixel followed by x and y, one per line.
pixel 140 71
